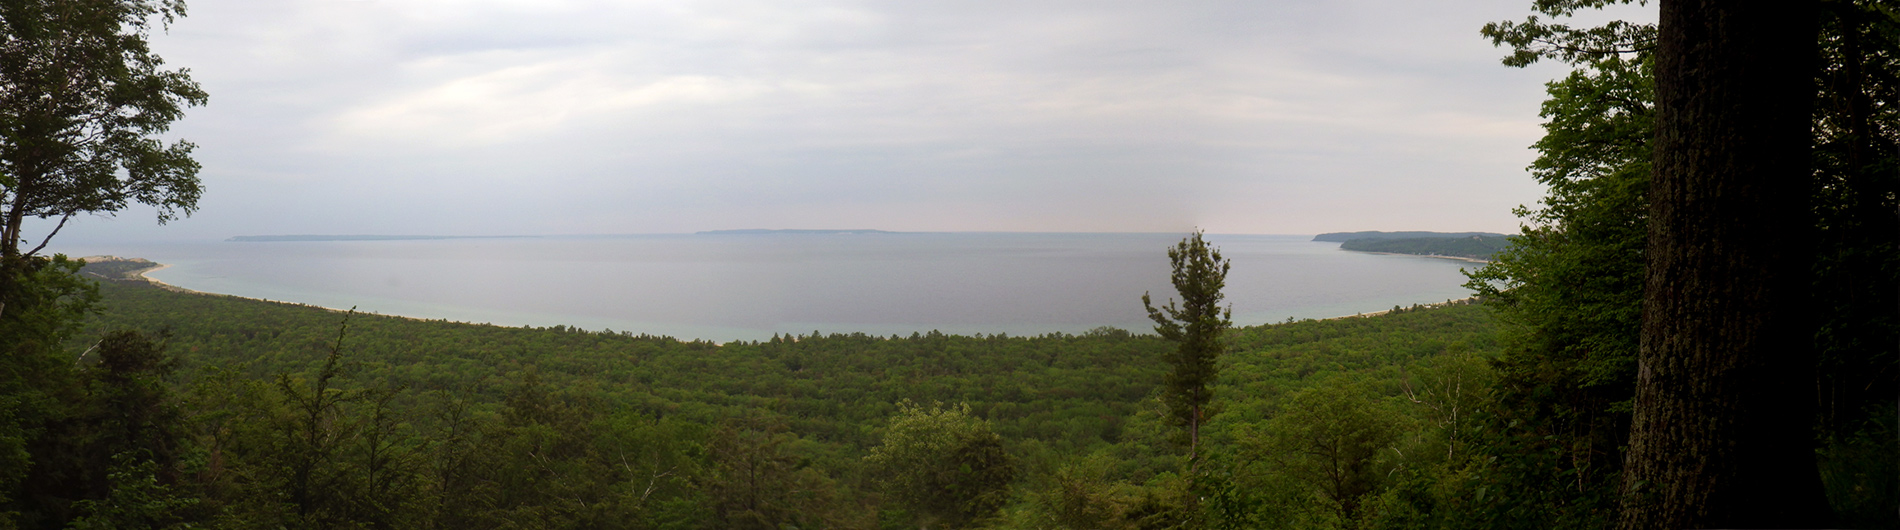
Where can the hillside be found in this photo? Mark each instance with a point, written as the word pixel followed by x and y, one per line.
pixel 1474 247
pixel 812 406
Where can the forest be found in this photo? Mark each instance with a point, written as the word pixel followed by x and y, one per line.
pixel 1698 326
pixel 256 413
pixel 1474 247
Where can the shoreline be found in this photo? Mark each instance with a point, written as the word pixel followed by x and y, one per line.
pixel 140 275
pixel 1456 258
pixel 1433 305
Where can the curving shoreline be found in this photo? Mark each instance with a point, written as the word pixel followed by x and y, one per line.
pixel 140 267
pixel 149 266
pixel 1458 258
pixel 137 270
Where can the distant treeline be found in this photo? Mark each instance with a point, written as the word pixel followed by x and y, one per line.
pixel 1340 237
pixel 1474 247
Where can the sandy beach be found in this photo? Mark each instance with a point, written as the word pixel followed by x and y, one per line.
pixel 138 274
pixel 152 266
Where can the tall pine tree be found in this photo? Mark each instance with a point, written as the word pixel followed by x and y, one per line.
pixel 1196 324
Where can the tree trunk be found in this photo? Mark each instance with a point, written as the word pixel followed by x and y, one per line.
pixel 1722 433
pixel 1194 440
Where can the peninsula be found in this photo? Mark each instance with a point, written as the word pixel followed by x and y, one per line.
pixel 1476 246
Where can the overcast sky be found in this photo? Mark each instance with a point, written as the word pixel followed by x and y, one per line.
pixel 471 117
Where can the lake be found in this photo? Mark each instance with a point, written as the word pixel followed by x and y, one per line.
pixel 749 286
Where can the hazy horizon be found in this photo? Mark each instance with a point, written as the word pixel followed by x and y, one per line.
pixel 751 286
pixel 598 117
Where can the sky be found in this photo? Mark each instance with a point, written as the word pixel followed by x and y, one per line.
pixel 524 117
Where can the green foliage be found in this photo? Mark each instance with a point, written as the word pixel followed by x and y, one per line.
pixel 113 268
pixel 116 426
pixel 760 481
pixel 1569 292
pixel 943 466
pixel 137 500
pixel 85 100
pixel 1535 39
pixel 42 304
pixel 1198 325
pixel 1079 495
pixel 1862 472
pixel 1420 372
pixel 1333 439
pixel 1475 247
pixel 1068 390
pixel 1857 236
pixel 304 453
pixel 443 425
pixel 483 426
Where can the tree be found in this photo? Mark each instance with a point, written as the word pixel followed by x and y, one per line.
pixel 1333 439
pixel 1197 325
pixel 38 385
pixel 85 98
pixel 138 499
pixel 1078 495
pixel 1857 266
pixel 119 416
pixel 1570 290
pixel 1722 427
pixel 757 482
pixel 944 466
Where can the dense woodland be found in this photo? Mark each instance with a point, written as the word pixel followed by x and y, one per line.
pixel 1473 247
pixel 260 414
pixel 1570 292
pixel 227 412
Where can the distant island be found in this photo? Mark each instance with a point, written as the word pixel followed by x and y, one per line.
pixel 1478 246
pixel 311 237
pixel 1341 237
pixel 794 231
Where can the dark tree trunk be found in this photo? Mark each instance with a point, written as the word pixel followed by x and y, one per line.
pixel 1722 434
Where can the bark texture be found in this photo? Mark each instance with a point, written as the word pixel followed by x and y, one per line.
pixel 1722 434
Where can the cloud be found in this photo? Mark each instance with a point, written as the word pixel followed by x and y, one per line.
pixel 517 102
pixel 481 116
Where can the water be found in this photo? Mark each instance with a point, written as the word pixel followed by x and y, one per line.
pixel 748 287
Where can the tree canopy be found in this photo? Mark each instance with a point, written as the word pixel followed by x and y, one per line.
pixel 84 102
pixel 1569 293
